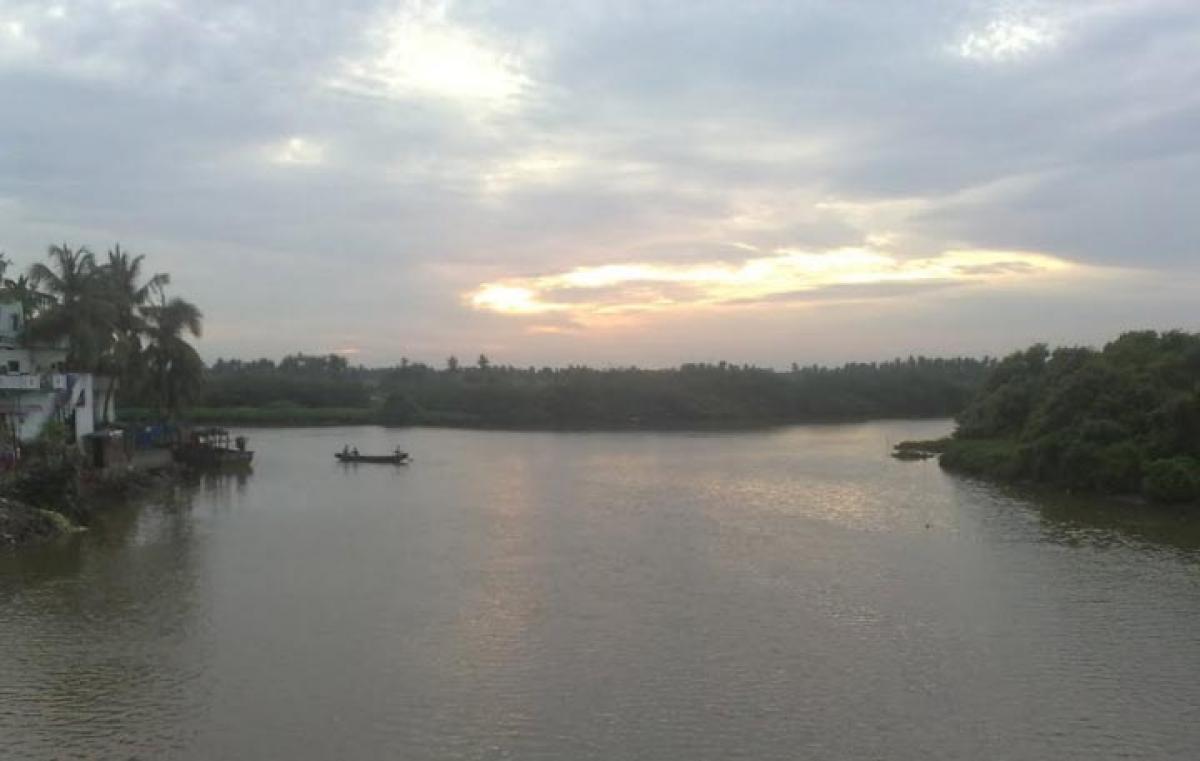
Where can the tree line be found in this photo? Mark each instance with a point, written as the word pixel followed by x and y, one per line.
pixel 1124 419
pixel 488 394
pixel 114 319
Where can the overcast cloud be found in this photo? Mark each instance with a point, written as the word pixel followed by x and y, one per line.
pixel 352 176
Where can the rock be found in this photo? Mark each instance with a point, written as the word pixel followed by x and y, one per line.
pixel 21 524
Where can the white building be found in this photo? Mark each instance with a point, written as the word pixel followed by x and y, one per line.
pixel 35 389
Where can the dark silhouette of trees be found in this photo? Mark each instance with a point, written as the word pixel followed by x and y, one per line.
pixel 1124 419
pixel 488 394
pixel 112 321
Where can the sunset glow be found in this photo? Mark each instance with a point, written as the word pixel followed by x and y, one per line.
pixel 603 183
pixel 783 277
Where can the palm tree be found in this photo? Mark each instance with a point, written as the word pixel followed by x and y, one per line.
pixel 175 368
pixel 122 280
pixel 21 291
pixel 80 312
pixel 123 274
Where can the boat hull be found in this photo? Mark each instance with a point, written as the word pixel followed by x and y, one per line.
pixel 208 457
pixel 383 459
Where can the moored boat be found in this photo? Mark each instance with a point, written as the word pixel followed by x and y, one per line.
pixel 210 448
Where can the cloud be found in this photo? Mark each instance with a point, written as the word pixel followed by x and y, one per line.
pixel 296 151
pixel 417 51
pixel 784 276
pixel 310 171
pixel 1002 40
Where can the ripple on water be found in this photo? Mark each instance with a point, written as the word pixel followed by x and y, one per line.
pixel 779 594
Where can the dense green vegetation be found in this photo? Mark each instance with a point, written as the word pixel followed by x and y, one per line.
pixel 112 322
pixel 1125 419
pixel 304 388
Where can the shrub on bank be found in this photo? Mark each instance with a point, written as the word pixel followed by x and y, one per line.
pixel 987 458
pixel 1172 480
pixel 399 409
pixel 50 485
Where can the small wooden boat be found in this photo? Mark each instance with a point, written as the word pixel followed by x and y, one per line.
pixel 397 458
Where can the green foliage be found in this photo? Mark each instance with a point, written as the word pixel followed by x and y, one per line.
pixel 399 409
pixel 1093 420
pixel 54 435
pixel 924 445
pixel 1173 480
pixel 691 395
pixel 51 485
pixel 114 322
pixel 491 395
pixel 276 414
pixel 987 458
pixel 299 379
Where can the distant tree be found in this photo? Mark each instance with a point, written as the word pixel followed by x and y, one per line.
pixel 483 362
pixel 452 363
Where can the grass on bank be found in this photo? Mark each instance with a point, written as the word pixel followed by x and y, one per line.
pixel 280 415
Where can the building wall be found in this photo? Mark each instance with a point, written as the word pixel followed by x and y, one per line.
pixel 27 412
pixel 12 321
pixel 72 397
pixel 83 401
pixel 34 388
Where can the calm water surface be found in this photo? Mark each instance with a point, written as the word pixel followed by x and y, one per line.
pixel 764 595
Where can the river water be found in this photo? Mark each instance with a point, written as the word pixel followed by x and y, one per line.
pixel 781 594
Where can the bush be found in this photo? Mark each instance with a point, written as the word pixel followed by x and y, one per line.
pixel 987 458
pixel 50 486
pixel 1172 480
pixel 399 409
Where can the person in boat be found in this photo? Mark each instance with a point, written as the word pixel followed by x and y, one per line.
pixel 354 452
pixel 345 450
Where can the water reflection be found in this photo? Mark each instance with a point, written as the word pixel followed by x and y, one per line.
pixel 1108 522
pixel 108 624
pixel 598 596
pixel 1085 520
pixel 220 487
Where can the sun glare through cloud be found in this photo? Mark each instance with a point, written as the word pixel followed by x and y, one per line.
pixel 296 151
pixel 418 51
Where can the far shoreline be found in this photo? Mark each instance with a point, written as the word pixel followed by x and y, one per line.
pixel 322 417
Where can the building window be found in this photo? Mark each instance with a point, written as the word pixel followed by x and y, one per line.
pixel 15 319
pixel 13 366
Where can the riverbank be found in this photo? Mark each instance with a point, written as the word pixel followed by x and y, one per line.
pixel 299 417
pixel 22 524
pixel 47 501
pixel 1169 481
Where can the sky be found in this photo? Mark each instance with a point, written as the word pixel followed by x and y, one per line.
pixel 613 183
